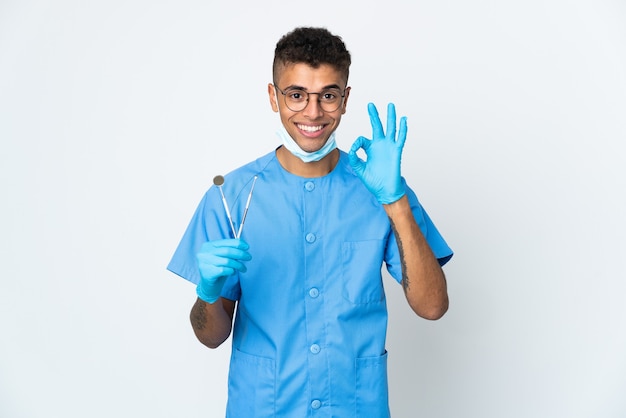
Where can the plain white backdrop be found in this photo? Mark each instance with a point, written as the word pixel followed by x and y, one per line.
pixel 115 116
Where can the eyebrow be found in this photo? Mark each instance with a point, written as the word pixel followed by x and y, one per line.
pixel 296 87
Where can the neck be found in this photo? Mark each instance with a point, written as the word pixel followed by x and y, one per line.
pixel 296 166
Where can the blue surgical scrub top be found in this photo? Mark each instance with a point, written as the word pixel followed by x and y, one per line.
pixel 309 332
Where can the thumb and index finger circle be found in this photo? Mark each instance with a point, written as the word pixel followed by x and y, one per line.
pixel 355 161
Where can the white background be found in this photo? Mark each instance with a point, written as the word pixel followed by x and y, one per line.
pixel 115 116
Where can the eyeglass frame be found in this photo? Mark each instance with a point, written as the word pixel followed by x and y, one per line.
pixel 303 91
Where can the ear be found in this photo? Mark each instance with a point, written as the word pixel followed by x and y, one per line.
pixel 345 101
pixel 271 91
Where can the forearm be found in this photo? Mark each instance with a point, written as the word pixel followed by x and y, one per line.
pixel 212 322
pixel 423 280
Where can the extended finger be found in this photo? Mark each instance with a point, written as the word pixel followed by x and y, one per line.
pixel 402 132
pixel 377 127
pixel 391 121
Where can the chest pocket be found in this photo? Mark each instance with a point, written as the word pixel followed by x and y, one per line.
pixel 361 264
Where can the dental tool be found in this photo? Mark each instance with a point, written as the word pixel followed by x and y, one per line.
pixel 218 181
pixel 245 212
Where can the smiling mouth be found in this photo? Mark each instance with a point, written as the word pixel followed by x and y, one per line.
pixel 308 128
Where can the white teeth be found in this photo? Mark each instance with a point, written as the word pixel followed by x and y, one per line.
pixel 309 128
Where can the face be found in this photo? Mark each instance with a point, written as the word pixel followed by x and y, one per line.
pixel 311 127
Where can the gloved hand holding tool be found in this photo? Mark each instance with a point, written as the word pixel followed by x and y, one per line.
pixel 217 260
pixel 381 172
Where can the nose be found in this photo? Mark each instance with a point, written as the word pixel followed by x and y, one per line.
pixel 313 109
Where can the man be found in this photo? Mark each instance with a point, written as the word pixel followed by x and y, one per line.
pixel 304 276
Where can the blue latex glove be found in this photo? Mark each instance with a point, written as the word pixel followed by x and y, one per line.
pixel 381 172
pixel 217 260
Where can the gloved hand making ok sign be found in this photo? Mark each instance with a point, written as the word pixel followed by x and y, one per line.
pixel 381 172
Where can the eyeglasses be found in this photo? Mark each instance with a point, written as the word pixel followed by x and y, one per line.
pixel 297 99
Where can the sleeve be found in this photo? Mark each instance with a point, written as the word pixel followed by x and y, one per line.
pixel 207 223
pixel 435 240
pixel 183 262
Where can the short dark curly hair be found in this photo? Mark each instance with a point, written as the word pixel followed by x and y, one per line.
pixel 311 46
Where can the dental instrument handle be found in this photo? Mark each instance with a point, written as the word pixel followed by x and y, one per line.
pixel 230 219
pixel 245 212
pixel 218 181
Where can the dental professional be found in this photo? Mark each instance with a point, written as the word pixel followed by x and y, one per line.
pixel 301 289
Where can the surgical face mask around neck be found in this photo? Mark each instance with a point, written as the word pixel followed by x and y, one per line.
pixel 305 156
pixel 295 149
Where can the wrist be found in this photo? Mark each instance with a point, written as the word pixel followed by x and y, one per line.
pixel 398 207
pixel 210 297
pixel 210 290
pixel 393 191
